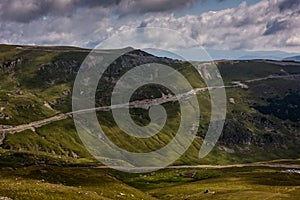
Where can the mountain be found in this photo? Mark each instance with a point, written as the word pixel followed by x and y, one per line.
pixel 294 58
pixel 270 55
pixel 42 156
pixel 199 54
pixel 35 99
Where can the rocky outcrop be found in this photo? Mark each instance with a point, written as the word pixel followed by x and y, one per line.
pixel 237 132
pixel 9 65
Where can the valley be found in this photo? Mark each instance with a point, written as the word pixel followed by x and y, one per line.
pixel 42 156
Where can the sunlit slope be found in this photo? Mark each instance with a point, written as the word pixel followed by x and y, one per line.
pixel 36 84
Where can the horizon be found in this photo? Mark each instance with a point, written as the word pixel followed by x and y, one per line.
pixel 149 99
pixel 215 55
pixel 218 25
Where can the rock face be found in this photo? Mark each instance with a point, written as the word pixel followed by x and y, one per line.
pixel 4 116
pixel 236 135
pixel 236 132
pixel 287 108
pixel 9 65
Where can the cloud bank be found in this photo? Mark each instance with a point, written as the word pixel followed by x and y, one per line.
pixel 266 25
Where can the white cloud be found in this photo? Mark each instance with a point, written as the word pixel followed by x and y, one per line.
pixel 262 26
pixel 267 25
pixel 293 41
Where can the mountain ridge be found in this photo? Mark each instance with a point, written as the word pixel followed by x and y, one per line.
pixel 40 84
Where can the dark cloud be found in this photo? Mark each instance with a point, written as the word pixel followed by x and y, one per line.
pixel 143 6
pixel 93 3
pixel 143 24
pixel 22 11
pixel 28 10
pixel 265 25
pixel 276 26
pixel 288 5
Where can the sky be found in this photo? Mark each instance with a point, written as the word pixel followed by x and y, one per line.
pixel 225 25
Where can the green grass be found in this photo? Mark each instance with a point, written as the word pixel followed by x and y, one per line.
pixel 50 182
pixel 62 139
pixel 53 182
pixel 245 70
pixel 45 76
pixel 59 138
pixel 230 183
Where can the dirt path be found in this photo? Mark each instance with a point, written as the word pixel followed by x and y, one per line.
pixel 271 165
pixel 239 165
pixel 274 77
pixel 135 104
pixel 5 129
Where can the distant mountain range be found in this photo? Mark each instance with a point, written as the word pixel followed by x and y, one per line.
pixel 294 58
pixel 197 54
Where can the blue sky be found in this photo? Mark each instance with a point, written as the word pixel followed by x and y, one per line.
pixel 213 5
pixel 220 25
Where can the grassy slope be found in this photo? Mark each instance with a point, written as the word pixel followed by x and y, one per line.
pixel 245 183
pixel 52 182
pixel 64 183
pixel 56 144
pixel 60 138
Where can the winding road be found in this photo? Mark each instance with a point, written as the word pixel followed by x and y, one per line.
pixel 6 129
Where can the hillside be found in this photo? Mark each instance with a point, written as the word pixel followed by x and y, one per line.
pixel 35 105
